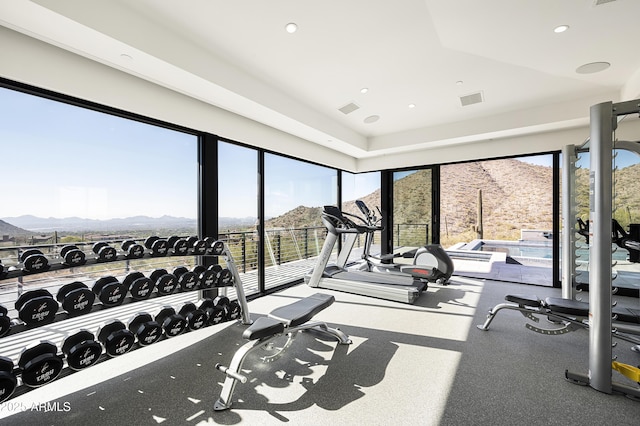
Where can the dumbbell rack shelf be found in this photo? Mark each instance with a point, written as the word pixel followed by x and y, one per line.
pixel 25 371
pixel 55 265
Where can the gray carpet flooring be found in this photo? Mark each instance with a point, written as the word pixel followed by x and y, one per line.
pixel 422 364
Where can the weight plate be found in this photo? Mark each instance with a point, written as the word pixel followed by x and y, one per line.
pixel 234 310
pixel 197 319
pixel 218 315
pixel 35 263
pixel 112 294
pixel 187 281
pixel 174 325
pixel 217 248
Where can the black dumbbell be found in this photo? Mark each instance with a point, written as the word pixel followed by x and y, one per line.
pixel 3 272
pixel 132 249
pixel 81 350
pixel 5 322
pixel 34 261
pixel 186 279
pixel 234 310
pixel 224 303
pixel 224 278
pixel 178 245
pixel 115 338
pixel 206 277
pixel 145 328
pixel 197 246
pixel 72 256
pixel 138 285
pixel 105 252
pixel 40 364
pixel 76 298
pixel 196 318
pixel 158 247
pixel 36 307
pixel 110 291
pixel 165 282
pixel 8 380
pixel 172 323
pixel 216 247
pixel 215 314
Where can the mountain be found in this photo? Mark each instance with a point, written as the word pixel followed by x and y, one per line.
pixel 11 230
pixel 77 224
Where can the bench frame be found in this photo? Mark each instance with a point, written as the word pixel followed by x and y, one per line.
pixel 531 307
pixel 279 327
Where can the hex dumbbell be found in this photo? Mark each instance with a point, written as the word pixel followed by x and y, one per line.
pixel 72 256
pixel 36 307
pixel 81 350
pixel 186 279
pixel 34 261
pixel 132 249
pixel 165 282
pixel 224 278
pixel 138 285
pixel 76 298
pixel 178 245
pixel 3 272
pixel 158 246
pixel 8 380
pixel 216 247
pixel 145 328
pixel 196 318
pixel 115 338
pixel 40 364
pixel 172 323
pixel 110 291
pixel 105 252
pixel 215 314
pixel 197 246
pixel 5 321
pixel 206 277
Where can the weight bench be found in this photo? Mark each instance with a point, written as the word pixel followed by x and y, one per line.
pixel 569 315
pixel 289 320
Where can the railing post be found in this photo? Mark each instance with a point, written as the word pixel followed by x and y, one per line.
pixel 279 249
pixel 398 234
pixel 244 252
pixel 306 243
pixel 426 235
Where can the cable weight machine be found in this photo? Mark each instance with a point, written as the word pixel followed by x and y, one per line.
pixel 603 122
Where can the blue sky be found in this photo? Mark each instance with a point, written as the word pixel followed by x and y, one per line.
pixel 61 161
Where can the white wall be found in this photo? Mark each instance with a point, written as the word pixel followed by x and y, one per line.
pixel 33 62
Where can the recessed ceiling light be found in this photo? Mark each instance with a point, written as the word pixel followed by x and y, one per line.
pixel 372 119
pixel 291 27
pixel 560 28
pixel 364 90
pixel 412 105
pixel 459 83
pixel 592 67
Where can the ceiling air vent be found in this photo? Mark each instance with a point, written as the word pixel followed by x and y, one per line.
pixel 474 98
pixel 348 108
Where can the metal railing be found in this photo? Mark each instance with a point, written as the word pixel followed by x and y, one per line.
pixel 411 234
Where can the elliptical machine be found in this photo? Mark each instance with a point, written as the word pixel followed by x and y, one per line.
pixel 430 261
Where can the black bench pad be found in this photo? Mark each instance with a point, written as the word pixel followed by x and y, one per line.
pixel 303 310
pixel 263 327
pixel 568 307
pixel 523 300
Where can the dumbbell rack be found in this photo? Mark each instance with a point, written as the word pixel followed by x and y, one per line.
pixel 99 314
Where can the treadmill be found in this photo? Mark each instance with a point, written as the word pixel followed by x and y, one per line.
pixel 399 288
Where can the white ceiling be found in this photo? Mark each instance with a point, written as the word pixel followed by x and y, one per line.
pixel 236 54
